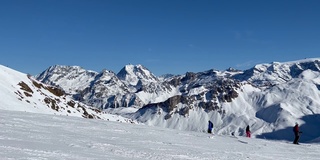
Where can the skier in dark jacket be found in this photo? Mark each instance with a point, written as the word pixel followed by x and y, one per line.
pixel 248 132
pixel 210 126
pixel 296 132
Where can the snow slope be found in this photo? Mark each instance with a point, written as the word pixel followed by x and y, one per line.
pixel 38 136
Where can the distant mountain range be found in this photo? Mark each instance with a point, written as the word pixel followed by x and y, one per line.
pixel 268 97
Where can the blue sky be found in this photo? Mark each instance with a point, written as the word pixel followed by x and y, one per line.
pixel 166 36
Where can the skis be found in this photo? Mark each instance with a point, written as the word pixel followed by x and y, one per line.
pixel 244 142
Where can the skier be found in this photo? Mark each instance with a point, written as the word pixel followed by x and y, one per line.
pixel 210 127
pixel 296 134
pixel 248 133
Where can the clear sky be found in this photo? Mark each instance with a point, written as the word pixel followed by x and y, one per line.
pixel 166 36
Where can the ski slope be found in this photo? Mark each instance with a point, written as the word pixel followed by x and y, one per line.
pixel 50 137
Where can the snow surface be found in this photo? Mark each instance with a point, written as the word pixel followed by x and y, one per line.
pixel 35 136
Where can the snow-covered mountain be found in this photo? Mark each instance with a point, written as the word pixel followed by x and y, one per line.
pixel 72 79
pixel 136 75
pixel 277 73
pixel 145 84
pixel 268 97
pixel 21 92
pixel 132 86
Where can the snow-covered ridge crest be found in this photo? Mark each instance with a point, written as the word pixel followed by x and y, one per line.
pixel 277 73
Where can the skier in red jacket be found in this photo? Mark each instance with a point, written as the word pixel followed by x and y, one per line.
pixel 248 132
pixel 296 134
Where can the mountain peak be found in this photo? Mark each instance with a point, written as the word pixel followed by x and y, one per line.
pixel 64 76
pixel 133 73
pixel 62 68
pixel 230 69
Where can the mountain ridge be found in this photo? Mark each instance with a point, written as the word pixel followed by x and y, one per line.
pixel 268 97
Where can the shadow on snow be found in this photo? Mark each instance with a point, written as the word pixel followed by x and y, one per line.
pixel 310 129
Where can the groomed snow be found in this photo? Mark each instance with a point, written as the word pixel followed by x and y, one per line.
pixel 40 136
